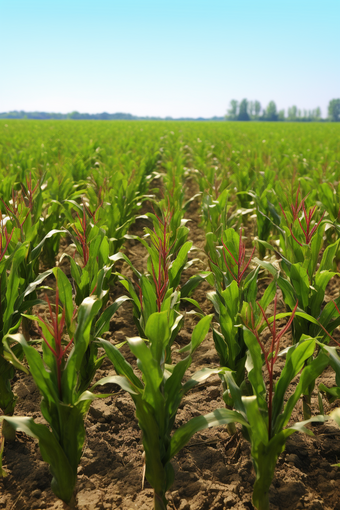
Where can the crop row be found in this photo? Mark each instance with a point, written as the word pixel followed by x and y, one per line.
pixel 266 213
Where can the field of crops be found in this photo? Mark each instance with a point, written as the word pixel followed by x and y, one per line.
pixel 169 315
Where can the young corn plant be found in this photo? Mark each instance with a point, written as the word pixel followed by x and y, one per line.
pixel 301 237
pixel 24 226
pixel 308 289
pixel 123 197
pixel 265 411
pixel 235 286
pixel 58 375
pixel 263 196
pixel 159 289
pixel 312 317
pixel 301 252
pixel 15 299
pixel 90 261
pixel 219 213
pixel 158 394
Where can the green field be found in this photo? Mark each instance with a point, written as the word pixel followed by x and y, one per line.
pixel 223 234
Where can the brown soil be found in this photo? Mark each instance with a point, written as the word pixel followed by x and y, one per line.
pixel 214 471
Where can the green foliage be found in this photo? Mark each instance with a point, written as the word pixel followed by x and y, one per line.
pixel 158 394
pixel 65 397
pixel 334 110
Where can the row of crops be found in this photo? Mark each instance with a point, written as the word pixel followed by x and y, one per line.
pixel 269 205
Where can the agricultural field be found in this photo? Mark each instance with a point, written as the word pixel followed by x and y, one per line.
pixel 169 314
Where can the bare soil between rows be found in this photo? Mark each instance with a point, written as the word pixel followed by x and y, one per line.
pixel 213 472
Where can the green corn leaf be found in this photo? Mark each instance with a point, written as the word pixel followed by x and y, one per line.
pixel 335 415
pixel 193 283
pixel 64 478
pixel 103 323
pixel 65 295
pixel 122 367
pixel 9 352
pixel 158 332
pixel 217 418
pixel 300 281
pixel 36 251
pixel 76 271
pixel 178 265
pixel 39 279
pixel 120 380
pixel 327 261
pixel 200 332
pixel 308 376
pixel 236 393
pixel 334 360
pixel 42 378
pixel 149 298
pixel 257 423
pixel 201 376
pixel 332 393
pixel 173 386
pixel 254 365
pixel 152 376
pixel 86 314
pixel 295 362
pixel 120 256
pixel 13 286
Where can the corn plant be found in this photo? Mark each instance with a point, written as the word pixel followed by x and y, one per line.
pixel 159 289
pixel 263 197
pixel 16 298
pixel 58 375
pixel 235 286
pixel 219 213
pixel 265 411
pixel 91 254
pixel 158 394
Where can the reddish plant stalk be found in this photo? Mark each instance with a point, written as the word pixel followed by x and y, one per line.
pixel 30 192
pixel 296 208
pixel 14 211
pixel 55 328
pixel 271 355
pixel 161 244
pixel 82 236
pixel 8 238
pixel 242 266
pixel 93 214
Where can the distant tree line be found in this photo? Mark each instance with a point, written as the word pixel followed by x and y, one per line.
pixel 89 116
pixel 243 110
pixel 252 110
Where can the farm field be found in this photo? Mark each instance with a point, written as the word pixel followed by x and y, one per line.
pixel 210 253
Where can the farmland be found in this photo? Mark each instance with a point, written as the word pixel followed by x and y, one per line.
pixel 209 252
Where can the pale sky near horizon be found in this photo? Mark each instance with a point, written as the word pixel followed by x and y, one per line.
pixel 167 58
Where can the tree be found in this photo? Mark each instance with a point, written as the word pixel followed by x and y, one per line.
pixel 243 110
pixel 317 113
pixel 271 112
pixel 281 115
pixel 233 109
pixel 334 110
pixel 251 109
pixel 257 108
pixel 292 113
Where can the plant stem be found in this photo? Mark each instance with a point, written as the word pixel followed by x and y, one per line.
pixel 158 501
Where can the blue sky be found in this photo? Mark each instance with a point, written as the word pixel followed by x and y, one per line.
pixel 176 58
